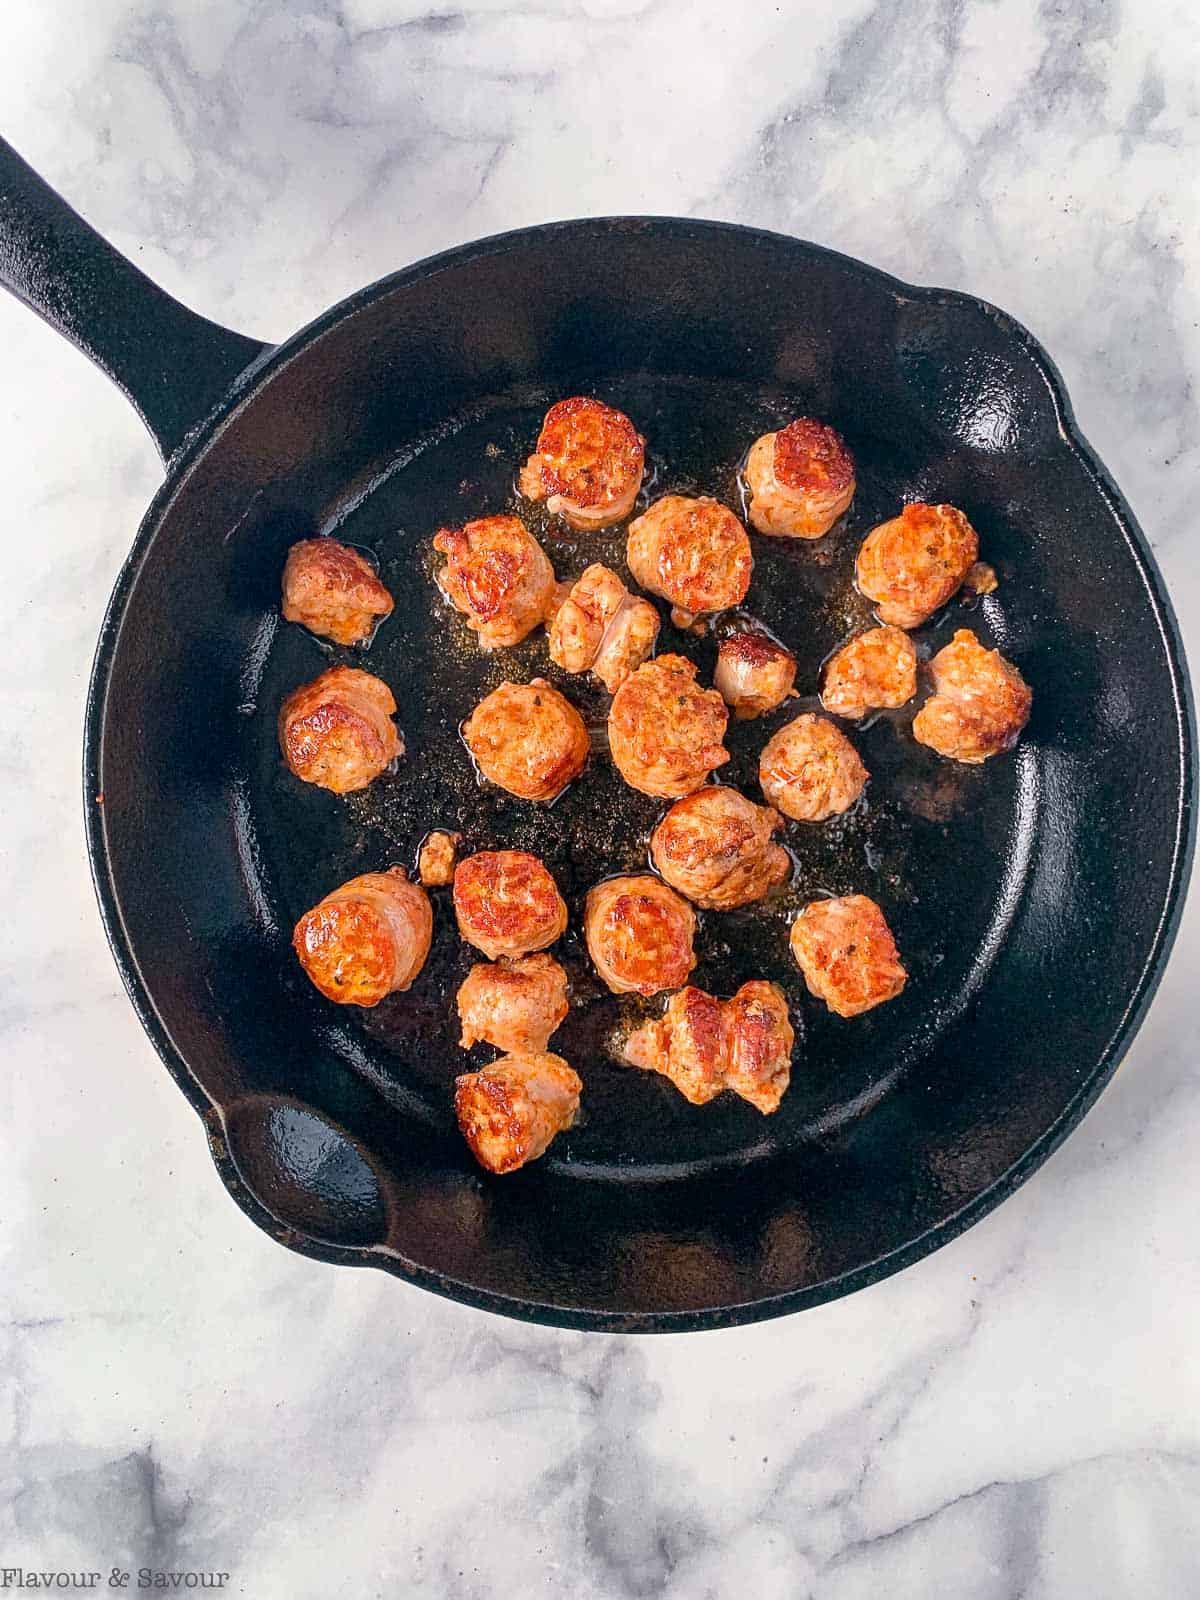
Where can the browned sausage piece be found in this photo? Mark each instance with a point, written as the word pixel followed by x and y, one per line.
pixel 337 730
pixel 715 847
pixel 367 939
pixel 333 591
pixel 601 627
pixel 507 904
pixel 639 935
pixel 801 480
pixel 846 952
pixel 913 564
pixel 980 702
pixel 875 671
pixel 510 1111
pixel 754 673
pixel 588 464
pixel 528 738
pixel 810 770
pixel 693 552
pixel 664 731
pixel 498 576
pixel 514 1005
pixel 704 1045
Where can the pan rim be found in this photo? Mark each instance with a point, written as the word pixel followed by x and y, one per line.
pixel 206 435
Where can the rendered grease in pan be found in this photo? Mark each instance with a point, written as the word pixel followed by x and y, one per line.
pixel 934 845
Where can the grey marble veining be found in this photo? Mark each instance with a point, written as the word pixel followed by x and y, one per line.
pixel 1019 1415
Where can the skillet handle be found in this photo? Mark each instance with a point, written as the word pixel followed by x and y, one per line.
pixel 172 364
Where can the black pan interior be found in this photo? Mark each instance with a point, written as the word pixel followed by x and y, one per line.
pixel 1028 897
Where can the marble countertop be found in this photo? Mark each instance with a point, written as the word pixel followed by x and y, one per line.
pixel 1018 1415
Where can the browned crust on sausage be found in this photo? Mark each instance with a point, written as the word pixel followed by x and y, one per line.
pixel 754 649
pixel 342 713
pixel 639 934
pixel 587 452
pixel 511 1111
pixel 507 902
pixel 483 1104
pixel 812 457
pixel 528 739
pixel 911 565
pixel 350 945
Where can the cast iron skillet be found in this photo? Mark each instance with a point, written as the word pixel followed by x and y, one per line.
pixel 1034 899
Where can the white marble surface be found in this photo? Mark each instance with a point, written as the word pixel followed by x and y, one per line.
pixel 1017 1416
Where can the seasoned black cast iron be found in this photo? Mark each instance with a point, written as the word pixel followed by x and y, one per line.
pixel 1034 899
